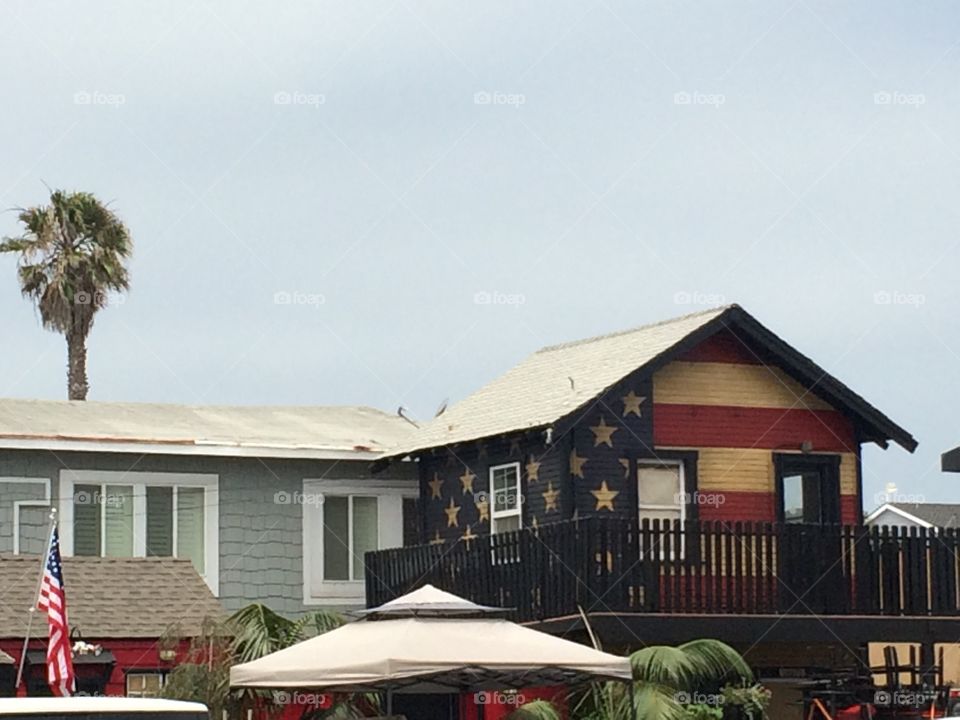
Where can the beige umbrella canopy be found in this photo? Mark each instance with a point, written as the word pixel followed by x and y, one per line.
pixel 430 641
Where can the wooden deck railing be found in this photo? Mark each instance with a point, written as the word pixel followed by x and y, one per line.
pixel 609 564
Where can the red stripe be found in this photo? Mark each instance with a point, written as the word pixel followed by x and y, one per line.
pixel 723 347
pixel 763 428
pixel 722 506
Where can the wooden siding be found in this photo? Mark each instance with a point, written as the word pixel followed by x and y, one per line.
pixel 449 470
pixel 754 427
pixel 713 383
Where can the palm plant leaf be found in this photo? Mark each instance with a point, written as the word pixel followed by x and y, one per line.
pixel 259 631
pixel 713 661
pixel 535 710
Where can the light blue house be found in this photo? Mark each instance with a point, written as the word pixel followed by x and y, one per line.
pixel 272 504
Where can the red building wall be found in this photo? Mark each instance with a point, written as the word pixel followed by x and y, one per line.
pixel 130 654
pixel 724 401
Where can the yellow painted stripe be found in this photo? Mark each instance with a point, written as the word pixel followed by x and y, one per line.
pixel 705 383
pixel 750 470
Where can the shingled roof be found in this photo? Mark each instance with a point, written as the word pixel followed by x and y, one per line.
pixel 557 380
pixel 112 597
pixel 322 432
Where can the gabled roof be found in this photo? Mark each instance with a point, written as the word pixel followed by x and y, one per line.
pixel 557 380
pixel 924 514
pixel 112 597
pixel 334 433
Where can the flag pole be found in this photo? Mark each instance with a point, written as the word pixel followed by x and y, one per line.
pixel 36 596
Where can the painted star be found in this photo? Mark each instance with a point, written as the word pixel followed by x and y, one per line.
pixel 576 464
pixel 466 481
pixel 435 486
pixel 605 496
pixel 467 536
pixel 550 497
pixel 515 447
pixel 452 510
pixel 603 433
pixel 533 470
pixel 437 540
pixel 632 403
pixel 483 509
pixel 481 451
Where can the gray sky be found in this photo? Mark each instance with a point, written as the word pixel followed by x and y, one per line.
pixel 585 166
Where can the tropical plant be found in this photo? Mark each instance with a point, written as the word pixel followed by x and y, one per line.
pixel 535 710
pixel 667 683
pixel 73 252
pixel 250 633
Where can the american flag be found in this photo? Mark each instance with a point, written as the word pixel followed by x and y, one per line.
pixel 53 600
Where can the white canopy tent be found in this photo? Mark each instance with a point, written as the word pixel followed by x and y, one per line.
pixel 430 641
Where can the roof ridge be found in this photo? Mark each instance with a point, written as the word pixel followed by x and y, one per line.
pixel 618 333
pixel 188 406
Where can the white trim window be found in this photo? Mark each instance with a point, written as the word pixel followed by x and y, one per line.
pixel 343 520
pixel 142 514
pixel 26 510
pixel 141 684
pixel 661 495
pixel 506 508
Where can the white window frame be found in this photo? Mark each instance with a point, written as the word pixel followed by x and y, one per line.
pixel 390 494
pixel 681 494
pixel 516 512
pixel 17 504
pixel 210 484
pixel 140 673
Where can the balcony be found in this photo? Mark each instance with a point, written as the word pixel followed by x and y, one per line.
pixel 616 566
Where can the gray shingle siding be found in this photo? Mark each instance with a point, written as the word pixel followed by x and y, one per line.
pixel 261 553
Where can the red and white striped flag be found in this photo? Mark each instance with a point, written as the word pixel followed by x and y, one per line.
pixel 53 600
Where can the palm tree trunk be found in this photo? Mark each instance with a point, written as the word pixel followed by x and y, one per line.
pixel 77 365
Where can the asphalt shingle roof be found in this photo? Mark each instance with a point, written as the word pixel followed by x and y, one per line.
pixel 111 597
pixel 557 380
pixel 554 382
pixel 938 514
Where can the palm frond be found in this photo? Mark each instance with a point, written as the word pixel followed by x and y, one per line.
pixel 663 665
pixel 259 631
pixel 712 661
pixel 535 710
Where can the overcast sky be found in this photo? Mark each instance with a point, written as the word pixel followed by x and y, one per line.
pixel 391 203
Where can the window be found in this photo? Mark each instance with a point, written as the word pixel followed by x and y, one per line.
pixel 349 530
pixel 808 487
pixel 104 521
pixel 144 684
pixel 134 514
pixel 342 521
pixel 506 508
pixel 660 490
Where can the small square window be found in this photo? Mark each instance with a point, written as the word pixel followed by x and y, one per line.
pixel 144 685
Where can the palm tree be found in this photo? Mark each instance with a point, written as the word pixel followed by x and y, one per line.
pixel 665 676
pixel 72 253
pixel 665 680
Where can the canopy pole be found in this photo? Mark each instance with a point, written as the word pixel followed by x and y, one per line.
pixel 389 702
